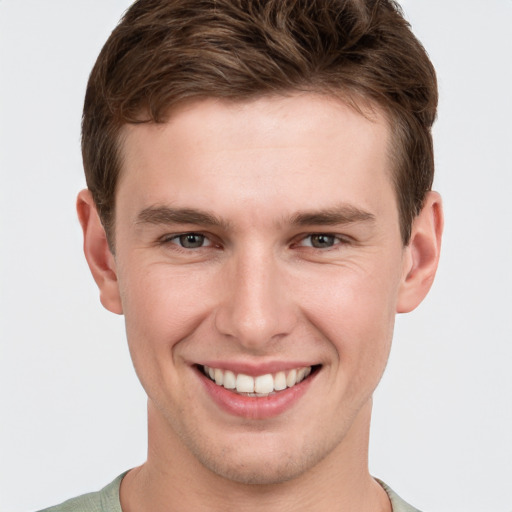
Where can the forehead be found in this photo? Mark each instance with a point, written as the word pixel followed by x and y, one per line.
pixel 261 114
pixel 313 147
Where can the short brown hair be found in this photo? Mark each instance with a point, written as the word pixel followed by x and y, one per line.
pixel 167 51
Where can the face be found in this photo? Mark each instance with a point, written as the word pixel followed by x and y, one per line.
pixel 259 264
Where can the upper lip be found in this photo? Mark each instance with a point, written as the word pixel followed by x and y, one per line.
pixel 254 368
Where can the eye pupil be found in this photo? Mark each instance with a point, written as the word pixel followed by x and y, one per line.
pixel 322 241
pixel 191 241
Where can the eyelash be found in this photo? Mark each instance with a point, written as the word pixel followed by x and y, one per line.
pixel 180 237
pixel 178 240
pixel 335 240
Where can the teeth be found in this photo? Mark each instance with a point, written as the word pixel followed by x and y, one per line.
pixel 280 381
pixel 259 386
pixel 244 383
pixel 291 378
pixel 264 384
pixel 219 377
pixel 229 380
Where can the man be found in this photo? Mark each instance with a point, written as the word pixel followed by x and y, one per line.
pixel 259 209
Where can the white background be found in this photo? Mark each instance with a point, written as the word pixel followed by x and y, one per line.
pixel 72 414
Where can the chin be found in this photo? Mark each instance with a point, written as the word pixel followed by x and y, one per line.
pixel 268 464
pixel 257 472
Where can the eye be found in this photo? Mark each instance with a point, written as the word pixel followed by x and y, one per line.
pixel 320 241
pixel 190 240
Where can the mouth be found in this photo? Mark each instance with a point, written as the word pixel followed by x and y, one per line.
pixel 258 386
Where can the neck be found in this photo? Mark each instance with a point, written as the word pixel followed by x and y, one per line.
pixel 173 479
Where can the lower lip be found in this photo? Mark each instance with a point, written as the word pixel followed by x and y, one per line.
pixel 256 408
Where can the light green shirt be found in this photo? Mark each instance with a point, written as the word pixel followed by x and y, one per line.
pixel 107 500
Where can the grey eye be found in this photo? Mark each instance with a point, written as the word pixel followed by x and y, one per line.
pixel 321 241
pixel 191 240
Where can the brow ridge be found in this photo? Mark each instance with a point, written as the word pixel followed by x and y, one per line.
pixel 168 215
pixel 345 214
pixel 339 215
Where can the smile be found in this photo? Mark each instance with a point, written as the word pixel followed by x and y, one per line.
pixel 258 386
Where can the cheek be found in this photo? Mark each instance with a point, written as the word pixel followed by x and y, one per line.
pixel 355 311
pixel 162 308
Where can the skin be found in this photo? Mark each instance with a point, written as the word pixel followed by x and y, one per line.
pixel 258 290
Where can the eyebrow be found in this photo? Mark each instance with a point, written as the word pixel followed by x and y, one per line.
pixel 344 214
pixel 339 215
pixel 168 215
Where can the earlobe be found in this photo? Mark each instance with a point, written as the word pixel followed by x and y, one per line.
pixel 97 253
pixel 421 256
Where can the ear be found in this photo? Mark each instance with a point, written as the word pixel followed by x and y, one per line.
pixel 97 253
pixel 421 256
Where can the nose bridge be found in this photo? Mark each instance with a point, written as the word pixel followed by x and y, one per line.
pixel 255 308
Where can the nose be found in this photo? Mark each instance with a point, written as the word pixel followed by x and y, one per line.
pixel 255 306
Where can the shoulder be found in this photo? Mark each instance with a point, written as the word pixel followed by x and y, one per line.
pixel 106 500
pixel 398 504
